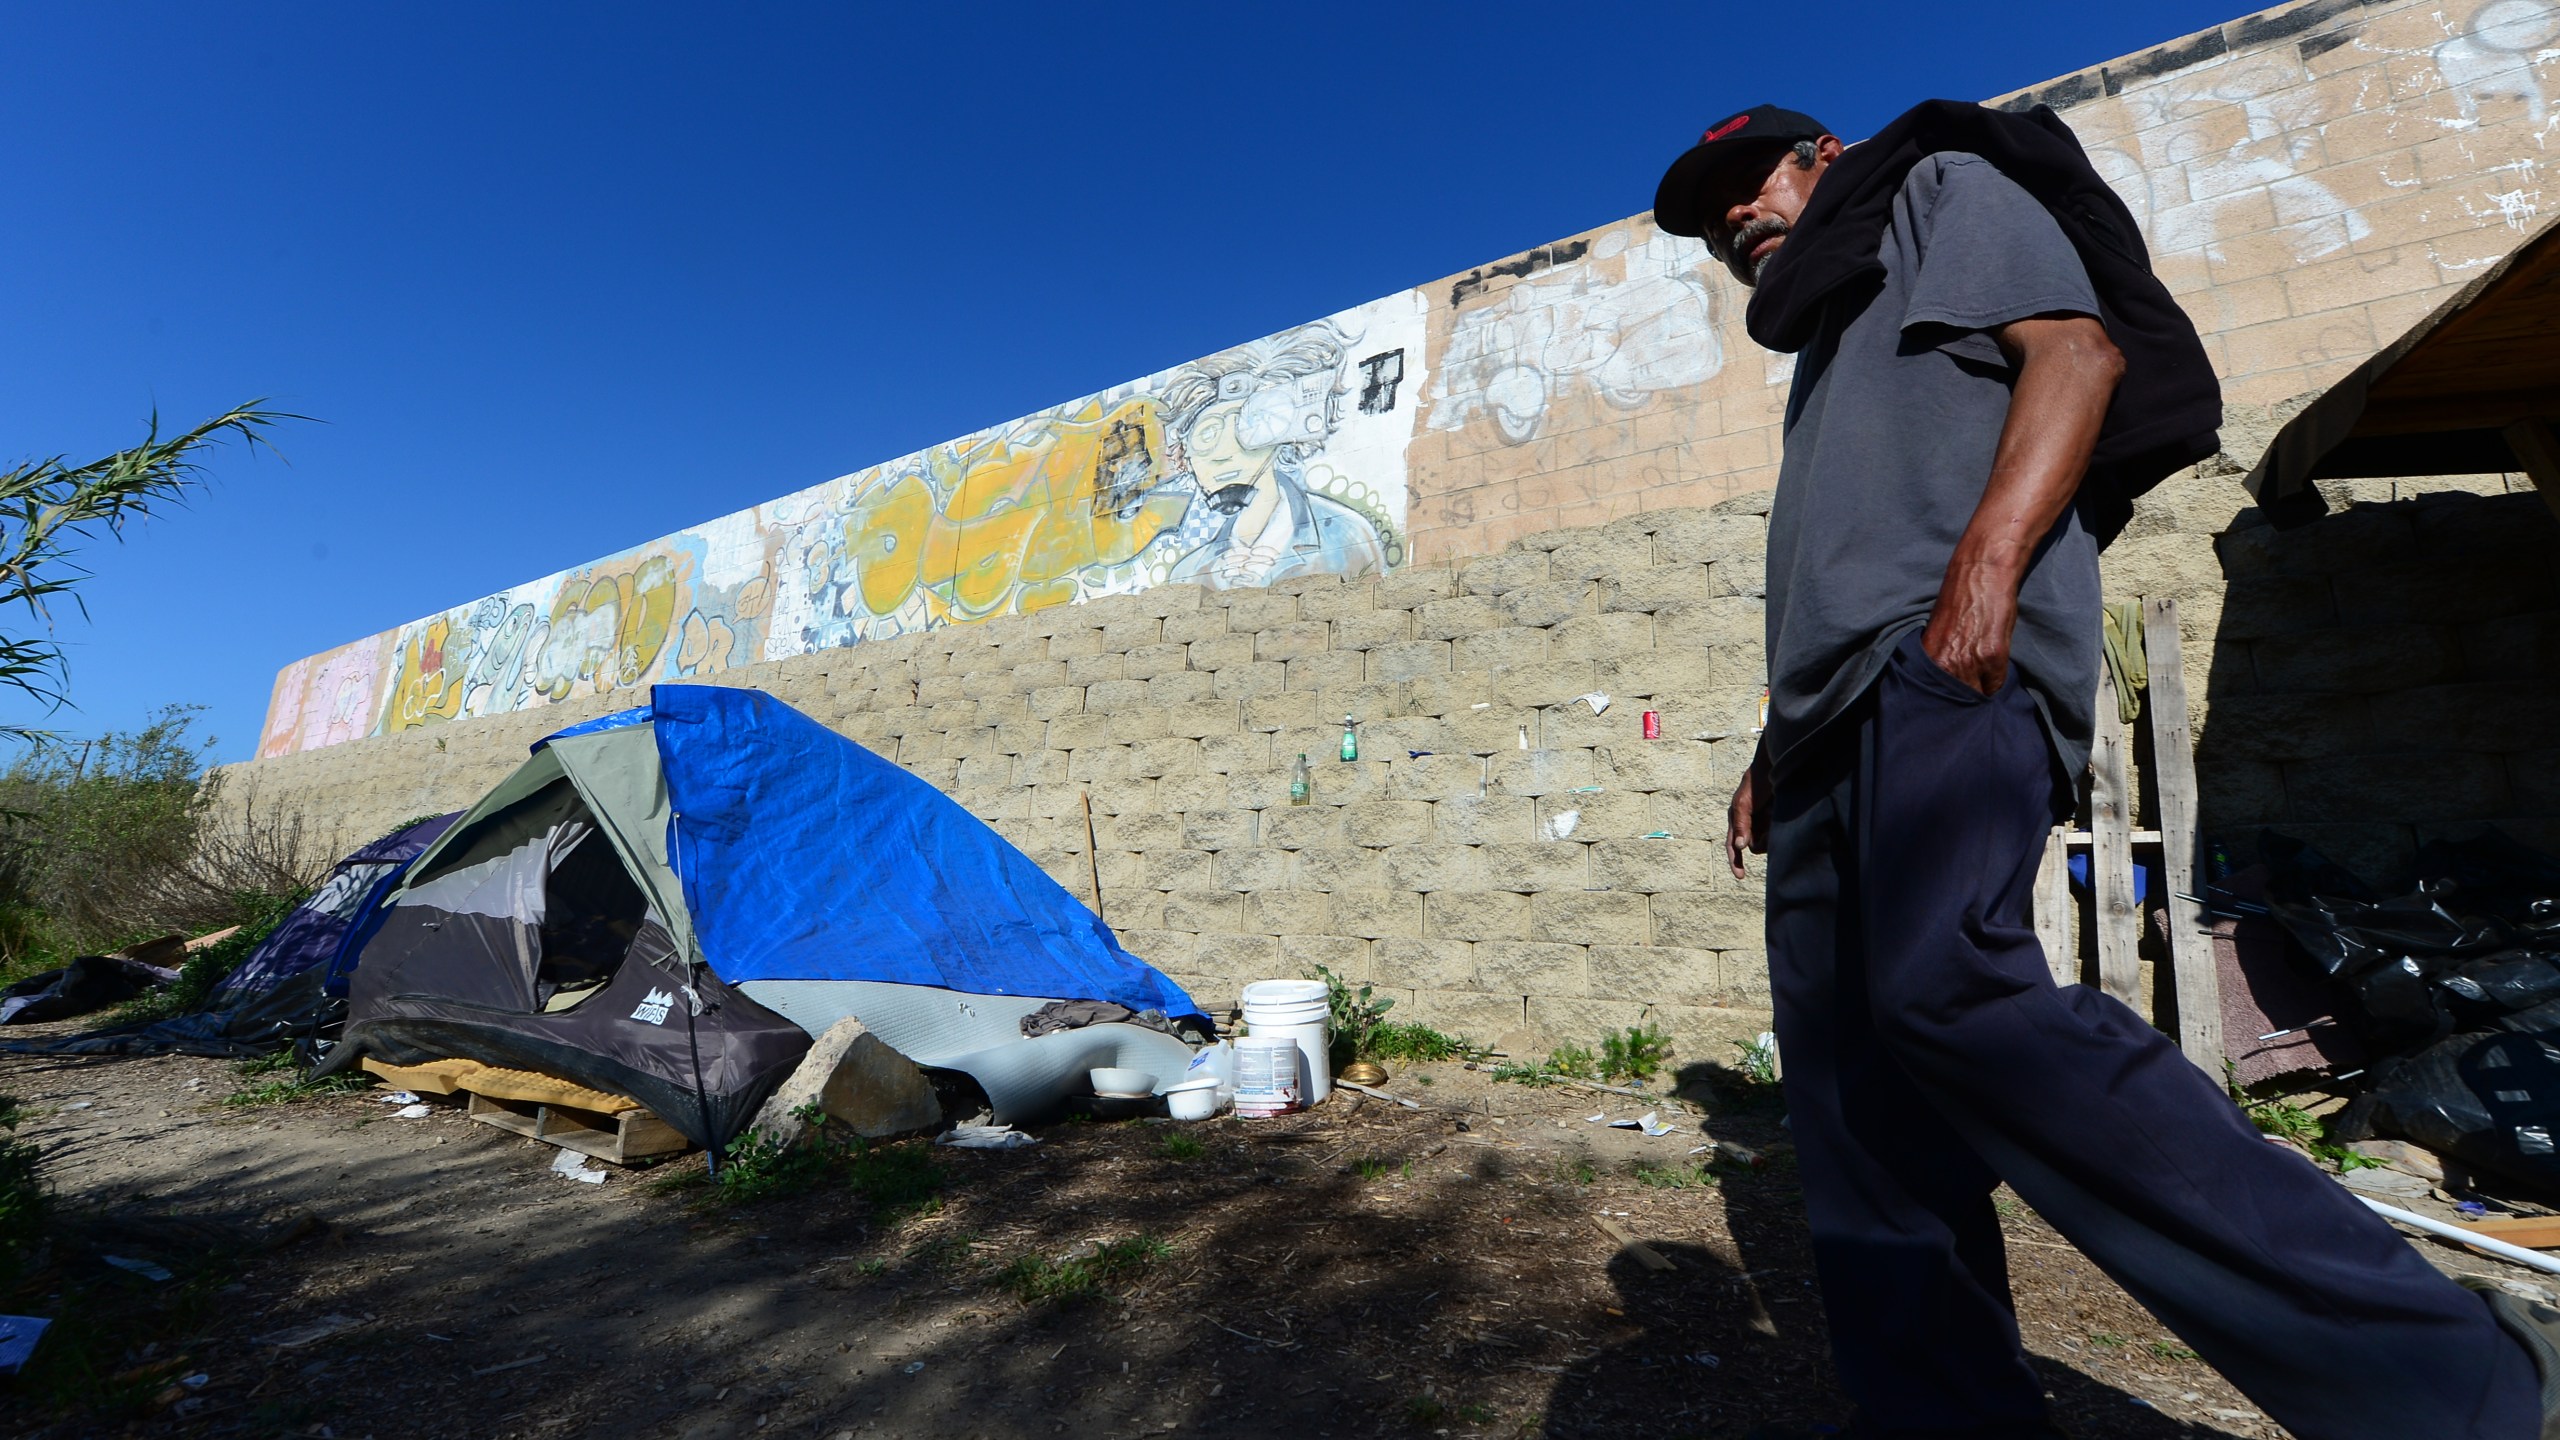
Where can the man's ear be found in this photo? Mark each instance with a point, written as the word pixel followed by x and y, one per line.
pixel 1829 148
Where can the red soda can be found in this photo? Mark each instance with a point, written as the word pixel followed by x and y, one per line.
pixel 1652 725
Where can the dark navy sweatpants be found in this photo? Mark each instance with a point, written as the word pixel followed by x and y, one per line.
pixel 1928 1055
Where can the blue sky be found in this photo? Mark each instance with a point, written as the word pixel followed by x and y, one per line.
pixel 561 278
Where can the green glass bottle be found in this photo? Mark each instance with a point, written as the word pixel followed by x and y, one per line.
pixel 1298 783
pixel 1350 740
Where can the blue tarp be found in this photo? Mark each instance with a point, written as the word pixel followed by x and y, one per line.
pixel 806 857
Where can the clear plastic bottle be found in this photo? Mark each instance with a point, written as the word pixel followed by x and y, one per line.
pixel 1299 783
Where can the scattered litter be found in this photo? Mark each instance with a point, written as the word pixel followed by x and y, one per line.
pixel 196 1381
pixel 1561 824
pixel 511 1365
pixel 397 1097
pixel 1602 1118
pixel 143 1268
pixel 419 1111
pixel 1626 1124
pixel 1481 705
pixel 915 1367
pixel 1416 754
pixel 983 1137
pixel 81 1105
pixel 1652 1125
pixel 2472 1208
pixel 1706 1359
pixel 1598 700
pixel 310 1332
pixel 195 1084
pixel 1584 790
pixel 572 1165
pixel 1656 835
pixel 1524 737
pixel 18 1334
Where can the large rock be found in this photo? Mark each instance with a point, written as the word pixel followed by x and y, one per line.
pixel 858 1082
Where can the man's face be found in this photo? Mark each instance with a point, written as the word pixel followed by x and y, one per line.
pixel 1752 202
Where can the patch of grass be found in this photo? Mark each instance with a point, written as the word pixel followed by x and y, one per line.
pixel 1377 1167
pixel 1576 1171
pixel 1511 1073
pixel 871 1269
pixel 2107 1341
pixel 24 1201
pixel 1412 1042
pixel 897 1180
pixel 1181 1147
pixel 1477 1414
pixel 1425 1409
pixel 1635 1053
pixel 1036 1279
pixel 1675 1177
pixel 291 1085
pixel 2167 1351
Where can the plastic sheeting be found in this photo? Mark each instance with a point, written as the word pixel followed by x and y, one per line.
pixel 981 1037
pixel 806 857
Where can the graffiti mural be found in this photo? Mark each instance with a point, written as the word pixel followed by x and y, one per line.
pixel 1280 458
pixel 1622 323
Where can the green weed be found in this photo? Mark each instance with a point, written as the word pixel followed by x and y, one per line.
pixel 1181 1147
pixel 2288 1121
pixel 895 1180
pixel 1759 1059
pixel 1411 1042
pixel 1675 1177
pixel 1576 1171
pixel 1356 1014
pixel 24 1202
pixel 2167 1351
pixel 1635 1053
pixel 1477 1414
pixel 1035 1279
pixel 1425 1409
pixel 291 1086
pixel 2105 1341
pixel 1373 1167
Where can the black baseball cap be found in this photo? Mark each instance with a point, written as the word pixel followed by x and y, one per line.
pixel 1679 205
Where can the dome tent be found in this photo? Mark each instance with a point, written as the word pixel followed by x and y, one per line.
pixel 668 902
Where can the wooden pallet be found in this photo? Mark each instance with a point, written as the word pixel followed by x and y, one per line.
pixel 621 1137
pixel 2107 831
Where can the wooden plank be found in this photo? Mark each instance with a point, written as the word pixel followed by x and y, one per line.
pixel 2534 1232
pixel 620 1138
pixel 2115 915
pixel 1643 1254
pixel 2053 910
pixel 2540 457
pixel 2195 981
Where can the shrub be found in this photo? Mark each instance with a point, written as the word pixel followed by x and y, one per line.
pixel 1635 1053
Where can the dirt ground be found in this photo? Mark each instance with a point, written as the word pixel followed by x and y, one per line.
pixel 1363 1269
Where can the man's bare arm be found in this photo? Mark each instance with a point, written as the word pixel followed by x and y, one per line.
pixel 2067 372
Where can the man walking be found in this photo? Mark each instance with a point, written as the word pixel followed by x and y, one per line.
pixel 1974 326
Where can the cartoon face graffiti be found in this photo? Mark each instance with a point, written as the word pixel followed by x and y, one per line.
pixel 1247 421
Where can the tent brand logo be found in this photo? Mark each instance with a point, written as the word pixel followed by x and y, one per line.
pixel 654 1009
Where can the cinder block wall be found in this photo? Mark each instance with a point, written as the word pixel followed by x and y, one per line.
pixel 1504 861
pixel 2388 673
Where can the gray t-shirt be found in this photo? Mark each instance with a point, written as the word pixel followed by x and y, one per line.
pixel 1891 427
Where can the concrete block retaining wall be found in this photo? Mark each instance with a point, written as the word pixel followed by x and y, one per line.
pixel 2391 672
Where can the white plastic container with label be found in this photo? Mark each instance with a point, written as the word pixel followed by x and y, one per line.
pixel 1298 1010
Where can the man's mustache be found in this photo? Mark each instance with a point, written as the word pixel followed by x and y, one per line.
pixel 1749 237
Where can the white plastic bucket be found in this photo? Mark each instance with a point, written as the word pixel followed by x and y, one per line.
pixel 1298 1010
pixel 1269 1077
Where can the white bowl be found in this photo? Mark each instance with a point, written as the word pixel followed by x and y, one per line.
pixel 1123 1082
pixel 1193 1099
